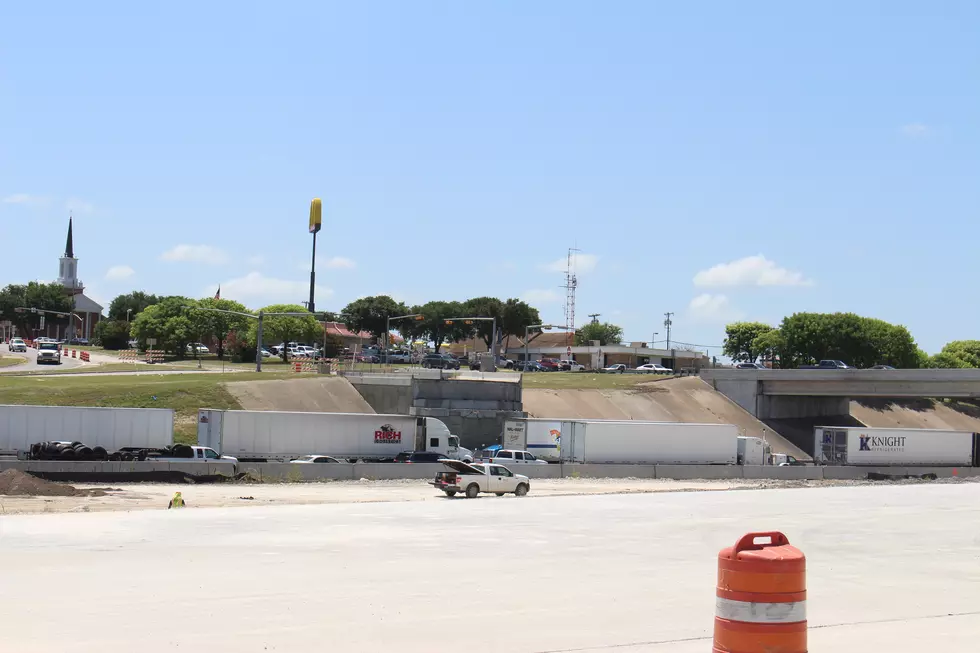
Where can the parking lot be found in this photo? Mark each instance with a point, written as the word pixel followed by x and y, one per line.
pixel 890 568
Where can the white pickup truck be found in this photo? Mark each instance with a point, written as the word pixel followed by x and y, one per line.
pixel 472 479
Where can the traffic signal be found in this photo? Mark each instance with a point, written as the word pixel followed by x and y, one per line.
pixel 449 322
pixel 419 318
pixel 467 321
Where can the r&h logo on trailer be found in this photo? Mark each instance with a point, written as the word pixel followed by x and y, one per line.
pixel 387 435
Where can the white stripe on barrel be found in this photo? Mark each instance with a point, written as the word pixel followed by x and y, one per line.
pixel 760 613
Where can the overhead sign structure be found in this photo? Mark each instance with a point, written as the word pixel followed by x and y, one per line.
pixel 316 215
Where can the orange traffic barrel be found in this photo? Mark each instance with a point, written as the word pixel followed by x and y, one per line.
pixel 760 601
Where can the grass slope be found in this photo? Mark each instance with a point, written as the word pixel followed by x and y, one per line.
pixel 185 393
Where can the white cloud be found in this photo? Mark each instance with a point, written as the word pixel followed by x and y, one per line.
pixel 712 308
pixel 915 129
pixel 267 290
pixel 340 263
pixel 750 271
pixel 119 272
pixel 540 296
pixel 30 201
pixel 196 253
pixel 581 263
pixel 79 206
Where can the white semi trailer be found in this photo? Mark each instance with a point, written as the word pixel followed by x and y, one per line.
pixel 110 428
pixel 258 436
pixel 613 441
pixel 839 445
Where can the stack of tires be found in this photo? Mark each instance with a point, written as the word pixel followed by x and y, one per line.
pixel 67 451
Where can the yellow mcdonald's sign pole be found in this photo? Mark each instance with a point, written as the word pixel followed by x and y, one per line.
pixel 316 219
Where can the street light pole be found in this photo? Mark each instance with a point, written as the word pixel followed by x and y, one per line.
pixel 316 213
pixel 388 320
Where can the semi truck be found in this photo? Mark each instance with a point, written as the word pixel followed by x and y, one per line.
pixel 853 445
pixel 110 428
pixel 614 441
pixel 263 436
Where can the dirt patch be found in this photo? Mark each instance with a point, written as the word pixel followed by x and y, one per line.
pixel 14 482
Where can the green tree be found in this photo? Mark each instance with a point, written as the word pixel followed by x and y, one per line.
pixel 512 316
pixel 371 314
pixel 958 354
pixel 769 346
pixel 42 296
pixel 130 305
pixel 433 327
pixel 740 340
pixel 604 332
pixel 171 322
pixel 219 325
pixel 858 341
pixel 112 334
pixel 285 328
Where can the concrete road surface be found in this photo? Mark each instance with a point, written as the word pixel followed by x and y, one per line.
pixel 891 568
pixel 31 364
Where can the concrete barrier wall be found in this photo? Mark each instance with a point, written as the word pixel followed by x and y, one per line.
pixel 286 472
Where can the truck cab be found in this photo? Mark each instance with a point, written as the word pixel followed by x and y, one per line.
pixel 439 439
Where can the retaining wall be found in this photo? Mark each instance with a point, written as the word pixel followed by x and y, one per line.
pixel 176 471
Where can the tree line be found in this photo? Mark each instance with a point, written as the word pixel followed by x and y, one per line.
pixel 806 338
pixel 175 322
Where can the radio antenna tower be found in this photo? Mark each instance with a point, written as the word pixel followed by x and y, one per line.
pixel 571 283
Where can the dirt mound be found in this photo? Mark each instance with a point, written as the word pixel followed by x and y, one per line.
pixel 14 482
pixel 685 399
pixel 311 395
pixel 917 414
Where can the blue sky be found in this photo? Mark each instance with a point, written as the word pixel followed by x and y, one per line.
pixel 717 160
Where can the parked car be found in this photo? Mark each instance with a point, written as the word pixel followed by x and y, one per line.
pixel 572 366
pixel 530 366
pixel 367 358
pixel 48 352
pixel 827 365
pixel 472 479
pixel 654 368
pixel 400 357
pixel 306 460
pixel 750 366
pixel 619 367
pixel 419 457
pixel 17 344
pixel 516 457
pixel 78 341
pixel 266 353
pixel 133 344
pixel 881 367
pixel 440 361
pixel 550 364
pixel 197 348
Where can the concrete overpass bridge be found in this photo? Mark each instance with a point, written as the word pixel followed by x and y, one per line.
pixel 793 401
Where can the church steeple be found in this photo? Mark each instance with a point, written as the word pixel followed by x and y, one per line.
pixel 69 248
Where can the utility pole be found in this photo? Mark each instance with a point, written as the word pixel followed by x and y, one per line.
pixel 667 323
pixel 595 317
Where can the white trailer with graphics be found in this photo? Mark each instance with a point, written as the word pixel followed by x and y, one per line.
pixel 615 441
pixel 852 445
pixel 260 436
pixel 109 428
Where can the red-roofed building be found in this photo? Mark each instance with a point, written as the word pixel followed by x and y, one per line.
pixel 350 338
